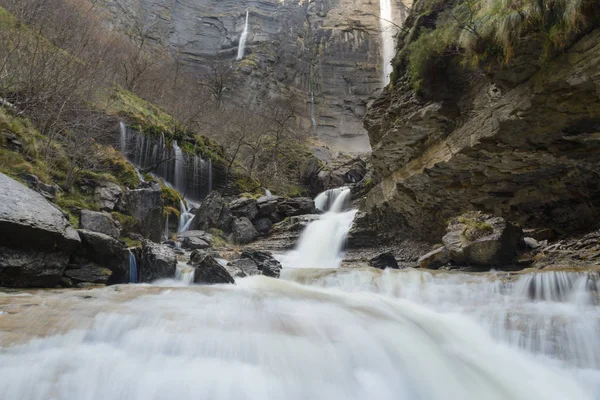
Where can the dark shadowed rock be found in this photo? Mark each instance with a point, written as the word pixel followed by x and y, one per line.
pixel 48 191
pixel 264 261
pixel 244 207
pixel 208 269
pixel 145 205
pixel 106 252
pixel 267 206
pixel 434 259
pixel 263 225
pixel 108 195
pixel 297 206
pixel 99 222
pixel 36 240
pixel 246 265
pixel 383 261
pixel 157 262
pixel 212 213
pixel 89 272
pixel 481 239
pixel 242 231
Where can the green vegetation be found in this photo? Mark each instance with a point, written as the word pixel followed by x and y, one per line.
pixel 128 223
pixel 479 31
pixel 132 243
pixel 171 197
pixel 167 211
pixel 219 238
pixel 75 200
pixel 475 228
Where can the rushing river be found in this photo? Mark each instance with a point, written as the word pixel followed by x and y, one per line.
pixel 314 334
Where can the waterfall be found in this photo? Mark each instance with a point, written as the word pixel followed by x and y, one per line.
pixel 133 278
pixel 268 193
pixel 166 234
pixel 184 273
pixel 123 130
pixel 179 170
pixel 210 175
pixel 186 217
pixel 243 38
pixel 321 243
pixel 387 38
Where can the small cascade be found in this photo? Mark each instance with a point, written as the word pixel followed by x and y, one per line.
pixel 184 273
pixel 268 193
pixel 166 233
pixel 133 272
pixel 185 220
pixel 322 242
pixel 243 39
pixel 387 38
pixel 189 174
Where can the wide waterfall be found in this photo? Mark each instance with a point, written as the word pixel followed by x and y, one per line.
pixel 321 243
pixel 191 175
pixel 387 38
pixel 243 38
pixel 333 334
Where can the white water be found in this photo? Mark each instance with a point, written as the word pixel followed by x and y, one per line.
pixel 179 169
pixel 360 335
pixel 268 193
pixel 243 38
pixel 184 273
pixel 185 218
pixel 123 130
pixel 132 268
pixel 166 232
pixel 321 243
pixel 387 38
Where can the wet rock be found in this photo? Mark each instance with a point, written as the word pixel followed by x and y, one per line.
pixel 265 262
pixel 244 207
pixel 434 259
pixel 48 191
pixel 193 240
pixel 145 205
pixel 105 251
pixel 108 195
pixel 89 272
pixel 36 239
pixel 213 213
pixel 242 231
pixel 263 225
pixel 383 261
pixel 267 206
pixel 99 222
pixel 296 206
pixel 157 262
pixel 480 239
pixel 246 265
pixel 209 270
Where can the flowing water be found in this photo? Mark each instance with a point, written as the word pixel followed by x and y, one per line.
pixel 186 217
pixel 243 38
pixel 387 38
pixel 133 272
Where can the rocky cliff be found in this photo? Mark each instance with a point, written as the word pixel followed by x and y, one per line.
pixel 517 138
pixel 326 52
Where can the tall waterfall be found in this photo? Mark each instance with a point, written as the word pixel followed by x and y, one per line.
pixel 387 38
pixel 243 39
pixel 321 243
pixel 189 174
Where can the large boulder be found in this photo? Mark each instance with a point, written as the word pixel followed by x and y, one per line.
pixel 242 231
pixel 383 261
pixel 267 206
pixel 99 222
pixel 263 225
pixel 246 265
pixel 480 239
pixel 195 240
pixel 88 272
pixel 213 213
pixel 36 239
pixel 145 205
pixel 108 195
pixel 208 269
pixel 157 262
pixel 434 259
pixel 105 251
pixel 244 207
pixel 265 262
pixel 296 206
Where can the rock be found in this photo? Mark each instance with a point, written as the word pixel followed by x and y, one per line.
pixel 263 225
pixel 296 206
pixel 157 262
pixel 89 272
pixel 171 243
pixel 264 261
pixel 383 261
pixel 213 213
pixel 48 191
pixel 267 206
pixel 242 231
pixel 531 243
pixel 193 240
pixel 99 222
pixel 145 205
pixel 246 265
pixel 208 270
pixel 36 239
pixel 481 239
pixel 105 251
pixel 108 195
pixel 244 207
pixel 234 270
pixel 540 234
pixel 434 259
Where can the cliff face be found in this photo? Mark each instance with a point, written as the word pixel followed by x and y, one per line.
pixel 326 50
pixel 521 141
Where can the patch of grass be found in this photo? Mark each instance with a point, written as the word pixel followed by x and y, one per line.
pixel 474 227
pixel 171 197
pixel 219 238
pixel 131 242
pixel 75 200
pixel 128 223
pixel 122 170
pixel 171 211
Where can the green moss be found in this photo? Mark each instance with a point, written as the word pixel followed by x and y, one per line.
pixel 246 184
pixel 75 200
pixel 73 220
pixel 128 223
pixel 171 211
pixel 474 227
pixel 219 238
pixel 171 197
pixel 122 170
pixel 132 243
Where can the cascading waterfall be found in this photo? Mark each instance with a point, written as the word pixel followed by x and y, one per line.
pixel 184 273
pixel 387 38
pixel 321 243
pixel 132 268
pixel 189 174
pixel 243 38
pixel 166 232
pixel 186 217
pixel 268 193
